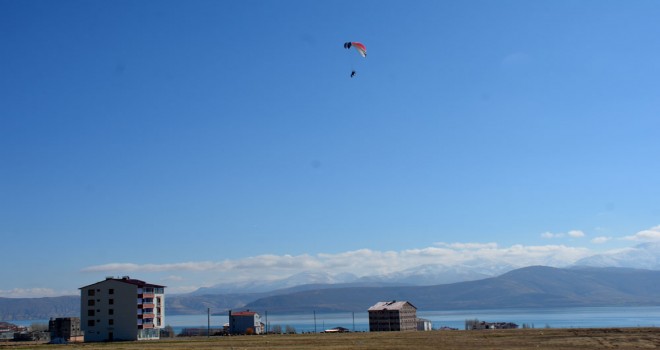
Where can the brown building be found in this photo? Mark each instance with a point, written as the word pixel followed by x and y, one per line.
pixel 392 316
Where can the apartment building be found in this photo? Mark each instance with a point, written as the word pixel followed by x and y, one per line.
pixel 392 316
pixel 122 309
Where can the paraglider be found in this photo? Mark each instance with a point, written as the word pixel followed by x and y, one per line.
pixel 359 47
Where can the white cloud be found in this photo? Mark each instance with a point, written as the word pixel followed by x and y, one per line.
pixel 471 245
pixel 362 262
pixel 182 289
pixel 174 278
pixel 576 234
pixel 652 234
pixel 34 293
pixel 600 239
pixel 550 235
pixel 572 234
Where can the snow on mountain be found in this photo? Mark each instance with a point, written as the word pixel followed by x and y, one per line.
pixel 434 274
pixel 258 286
pixel 641 256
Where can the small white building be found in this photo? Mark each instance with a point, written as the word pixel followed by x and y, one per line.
pixel 122 309
pixel 424 324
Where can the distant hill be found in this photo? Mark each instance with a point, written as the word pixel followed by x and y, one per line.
pixel 12 309
pixel 196 303
pixel 261 286
pixel 641 256
pixel 529 287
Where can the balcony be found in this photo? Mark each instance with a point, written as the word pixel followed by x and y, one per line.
pixel 146 323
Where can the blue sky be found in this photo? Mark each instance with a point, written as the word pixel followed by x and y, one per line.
pixel 189 143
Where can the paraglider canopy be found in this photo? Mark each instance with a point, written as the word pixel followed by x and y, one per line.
pixel 361 49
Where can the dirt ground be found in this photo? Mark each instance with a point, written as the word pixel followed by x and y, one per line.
pixel 566 339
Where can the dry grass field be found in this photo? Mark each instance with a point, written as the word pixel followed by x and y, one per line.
pixel 582 339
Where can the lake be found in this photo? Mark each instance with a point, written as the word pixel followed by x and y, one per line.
pixel 583 317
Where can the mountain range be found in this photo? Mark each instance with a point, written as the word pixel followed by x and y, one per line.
pixel 608 279
pixel 642 256
pixel 530 287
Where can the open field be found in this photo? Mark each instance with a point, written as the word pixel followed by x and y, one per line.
pixel 582 339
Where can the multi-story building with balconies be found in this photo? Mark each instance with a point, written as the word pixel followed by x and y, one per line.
pixel 122 309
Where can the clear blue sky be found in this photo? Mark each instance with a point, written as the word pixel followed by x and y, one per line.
pixel 228 133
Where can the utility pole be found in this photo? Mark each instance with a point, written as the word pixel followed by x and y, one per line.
pixel 314 321
pixel 208 322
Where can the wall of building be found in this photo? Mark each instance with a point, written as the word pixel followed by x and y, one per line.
pixel 114 311
pixel 239 324
pixel 403 318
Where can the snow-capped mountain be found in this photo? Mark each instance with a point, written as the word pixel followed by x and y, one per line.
pixel 258 286
pixel 433 274
pixel 641 256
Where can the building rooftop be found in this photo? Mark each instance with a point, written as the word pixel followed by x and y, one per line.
pixel 126 279
pixel 390 305
pixel 243 313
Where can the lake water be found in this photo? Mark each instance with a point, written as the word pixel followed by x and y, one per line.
pixel 586 317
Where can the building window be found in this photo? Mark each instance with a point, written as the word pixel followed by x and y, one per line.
pixel 90 323
pixel 111 311
pixel 111 291
pixel 90 302
pixel 90 312
pixel 111 322
pixel 90 292
pixel 111 301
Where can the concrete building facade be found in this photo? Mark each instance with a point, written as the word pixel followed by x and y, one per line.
pixel 122 309
pixel 393 315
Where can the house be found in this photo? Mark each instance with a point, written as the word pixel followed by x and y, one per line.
pixel 392 316
pixel 122 309
pixel 337 330
pixel 424 324
pixel 479 325
pixel 245 322
pixel 8 331
pixel 65 329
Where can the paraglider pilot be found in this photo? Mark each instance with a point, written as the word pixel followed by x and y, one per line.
pixel 353 73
